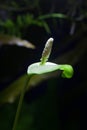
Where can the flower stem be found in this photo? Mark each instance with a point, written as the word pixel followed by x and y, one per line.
pixel 20 103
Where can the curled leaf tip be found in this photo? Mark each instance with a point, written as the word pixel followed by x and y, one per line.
pixel 67 71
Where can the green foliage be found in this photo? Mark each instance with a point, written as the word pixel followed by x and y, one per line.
pixel 53 15
pixel 14 27
pixel 23 21
pixel 25 17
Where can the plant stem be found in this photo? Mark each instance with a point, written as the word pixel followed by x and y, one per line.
pixel 20 103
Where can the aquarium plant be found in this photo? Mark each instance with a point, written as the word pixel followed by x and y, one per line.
pixel 42 67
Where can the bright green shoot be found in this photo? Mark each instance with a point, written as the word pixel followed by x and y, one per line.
pixel 40 68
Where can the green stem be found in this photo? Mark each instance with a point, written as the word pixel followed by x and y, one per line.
pixel 20 103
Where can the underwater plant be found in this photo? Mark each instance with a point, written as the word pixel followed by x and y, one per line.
pixel 40 68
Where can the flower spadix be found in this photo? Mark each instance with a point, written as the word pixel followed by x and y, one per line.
pixel 44 66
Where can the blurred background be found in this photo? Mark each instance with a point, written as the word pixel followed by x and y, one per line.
pixel 51 102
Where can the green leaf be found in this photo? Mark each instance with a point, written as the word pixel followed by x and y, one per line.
pixel 53 15
pixel 37 68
